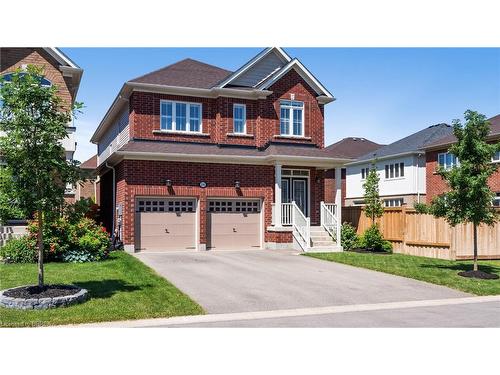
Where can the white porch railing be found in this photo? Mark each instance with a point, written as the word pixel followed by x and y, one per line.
pixel 286 214
pixel 329 219
pixel 301 227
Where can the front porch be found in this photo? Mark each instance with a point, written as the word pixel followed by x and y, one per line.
pixel 292 207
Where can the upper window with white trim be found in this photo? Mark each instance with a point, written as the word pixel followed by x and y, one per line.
pixel 496 157
pixel 239 118
pixel 447 160
pixel 396 170
pixel 292 118
pixel 364 173
pixel 180 116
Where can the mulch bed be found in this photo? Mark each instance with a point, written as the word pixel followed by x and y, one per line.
pixel 479 275
pixel 48 291
pixel 368 251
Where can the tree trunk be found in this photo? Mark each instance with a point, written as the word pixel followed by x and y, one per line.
pixel 40 248
pixel 475 247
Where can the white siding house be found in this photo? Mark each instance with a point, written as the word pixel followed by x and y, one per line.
pixel 400 166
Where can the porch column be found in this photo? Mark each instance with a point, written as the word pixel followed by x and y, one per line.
pixel 277 195
pixel 338 200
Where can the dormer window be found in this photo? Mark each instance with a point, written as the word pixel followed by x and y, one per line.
pixel 239 119
pixel 180 117
pixel 291 118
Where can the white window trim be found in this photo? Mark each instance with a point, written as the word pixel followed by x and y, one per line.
pixel 446 167
pixel 496 160
pixel 290 127
pixel 236 105
pixel 394 178
pixel 367 170
pixel 188 117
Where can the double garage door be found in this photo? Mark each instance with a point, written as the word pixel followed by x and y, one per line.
pixel 163 224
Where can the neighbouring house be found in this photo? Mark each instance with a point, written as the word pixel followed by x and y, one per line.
pixel 89 187
pixel 193 156
pixel 401 167
pixel 437 155
pixel 350 148
pixel 59 70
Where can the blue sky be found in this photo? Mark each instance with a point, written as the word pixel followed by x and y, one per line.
pixel 382 94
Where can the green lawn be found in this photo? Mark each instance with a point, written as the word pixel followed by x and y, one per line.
pixel 120 288
pixel 436 271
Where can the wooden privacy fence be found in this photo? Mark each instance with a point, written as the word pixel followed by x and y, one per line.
pixel 424 235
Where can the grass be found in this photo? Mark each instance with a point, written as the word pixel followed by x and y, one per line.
pixel 120 288
pixel 435 271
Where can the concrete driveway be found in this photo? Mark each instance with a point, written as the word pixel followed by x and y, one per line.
pixel 260 280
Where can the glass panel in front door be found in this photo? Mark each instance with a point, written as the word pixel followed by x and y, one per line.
pixel 285 191
pixel 299 195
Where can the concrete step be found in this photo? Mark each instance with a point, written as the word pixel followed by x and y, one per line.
pixel 320 236
pixel 323 243
pixel 323 249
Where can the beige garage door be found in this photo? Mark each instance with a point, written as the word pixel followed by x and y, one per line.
pixel 165 224
pixel 233 224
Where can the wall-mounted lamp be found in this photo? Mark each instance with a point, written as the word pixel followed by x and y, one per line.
pixel 237 184
pixel 168 183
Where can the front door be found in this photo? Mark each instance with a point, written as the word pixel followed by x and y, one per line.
pixel 295 189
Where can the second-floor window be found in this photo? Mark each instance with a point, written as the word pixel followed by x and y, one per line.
pixel 395 170
pixel 447 160
pixel 364 173
pixel 239 119
pixel 496 157
pixel 180 116
pixel 292 118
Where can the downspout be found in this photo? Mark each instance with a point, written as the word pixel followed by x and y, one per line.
pixel 114 201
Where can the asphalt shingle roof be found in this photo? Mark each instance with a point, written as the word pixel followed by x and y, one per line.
pixel 351 148
pixel 494 132
pixel 186 73
pixel 412 143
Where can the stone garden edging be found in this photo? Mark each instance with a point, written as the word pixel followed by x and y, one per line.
pixel 42 303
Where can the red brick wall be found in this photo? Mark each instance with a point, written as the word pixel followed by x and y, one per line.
pixel 13 58
pixel 435 185
pixel 330 186
pixel 217 118
pixel 147 178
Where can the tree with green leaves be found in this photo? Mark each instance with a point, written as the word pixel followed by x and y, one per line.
pixel 469 199
pixel 373 204
pixel 34 121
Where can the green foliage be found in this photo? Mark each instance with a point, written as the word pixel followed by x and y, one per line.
pixel 34 119
pixel 9 209
pixel 83 241
pixel 372 239
pixel 469 198
pixel 83 208
pixel 18 250
pixel 373 204
pixel 348 237
pixel 421 208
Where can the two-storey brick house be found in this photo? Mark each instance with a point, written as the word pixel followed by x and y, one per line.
pixel 59 70
pixel 192 156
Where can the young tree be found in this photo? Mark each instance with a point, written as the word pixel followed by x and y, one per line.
pixel 469 199
pixel 34 118
pixel 373 204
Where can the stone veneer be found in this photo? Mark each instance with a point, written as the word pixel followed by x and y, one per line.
pixel 42 303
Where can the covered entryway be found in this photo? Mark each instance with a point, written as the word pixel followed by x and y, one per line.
pixel 234 224
pixel 163 224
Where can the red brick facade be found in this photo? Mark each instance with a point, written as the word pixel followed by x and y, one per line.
pixel 263 123
pixel 435 185
pixel 135 178
pixel 13 58
pixel 330 186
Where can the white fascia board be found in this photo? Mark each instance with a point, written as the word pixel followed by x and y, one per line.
pixel 319 162
pixel 282 54
pixel 61 57
pixel 357 162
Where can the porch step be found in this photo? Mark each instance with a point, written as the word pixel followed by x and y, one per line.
pixel 321 241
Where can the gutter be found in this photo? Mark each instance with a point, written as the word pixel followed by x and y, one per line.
pixel 356 162
pixel 114 200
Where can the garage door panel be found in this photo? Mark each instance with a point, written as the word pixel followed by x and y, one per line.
pixel 170 230
pixel 230 229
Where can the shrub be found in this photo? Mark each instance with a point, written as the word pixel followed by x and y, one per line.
pixel 372 239
pixel 421 208
pixel 84 241
pixel 19 250
pixel 348 237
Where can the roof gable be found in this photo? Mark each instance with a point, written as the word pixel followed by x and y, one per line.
pixel 351 147
pixel 258 69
